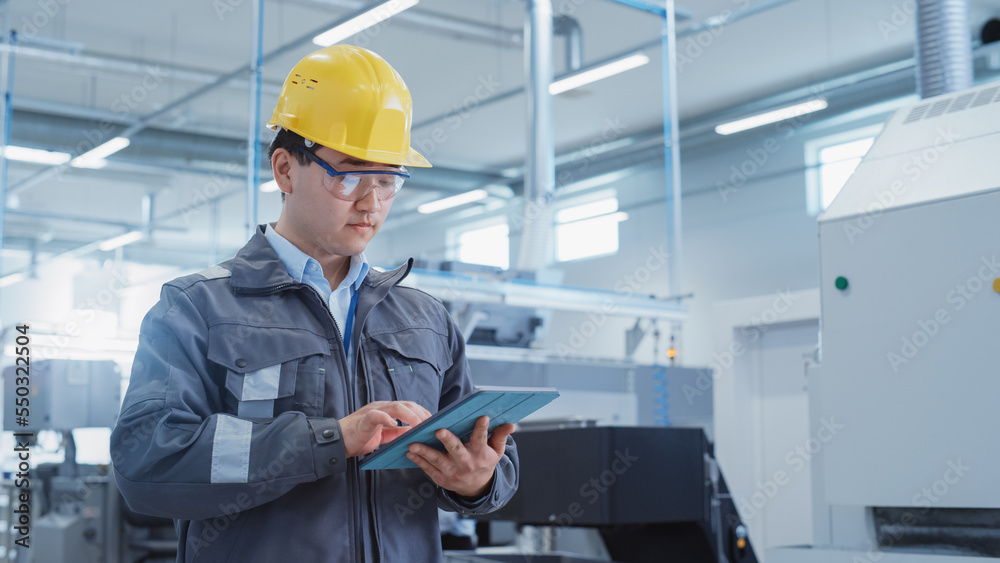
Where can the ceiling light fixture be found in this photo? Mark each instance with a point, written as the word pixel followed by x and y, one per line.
pixel 120 240
pixel 453 201
pixel 36 156
pixel 598 72
pixel 268 187
pixel 94 158
pixel 771 117
pixel 360 23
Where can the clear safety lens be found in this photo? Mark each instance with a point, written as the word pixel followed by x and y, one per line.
pixel 354 187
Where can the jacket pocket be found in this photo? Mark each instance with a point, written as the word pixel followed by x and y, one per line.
pixel 269 371
pixel 405 366
pixel 256 391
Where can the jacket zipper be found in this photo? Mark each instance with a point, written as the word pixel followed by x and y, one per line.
pixel 372 500
pixel 354 475
pixel 373 480
pixel 265 291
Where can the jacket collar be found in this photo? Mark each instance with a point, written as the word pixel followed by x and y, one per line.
pixel 376 278
pixel 257 266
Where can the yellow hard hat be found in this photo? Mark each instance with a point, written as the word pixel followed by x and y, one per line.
pixel 349 99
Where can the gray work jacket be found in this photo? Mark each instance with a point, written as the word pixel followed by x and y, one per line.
pixel 230 423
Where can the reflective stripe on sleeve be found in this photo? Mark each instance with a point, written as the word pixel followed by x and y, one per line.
pixel 231 450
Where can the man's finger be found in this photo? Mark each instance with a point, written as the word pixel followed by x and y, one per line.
pixel 480 432
pixel 433 472
pixel 390 434
pixel 451 443
pixel 400 411
pixel 375 419
pixel 417 407
pixel 498 441
pixel 434 457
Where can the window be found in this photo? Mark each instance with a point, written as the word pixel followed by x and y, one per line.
pixel 484 245
pixel 588 230
pixel 830 163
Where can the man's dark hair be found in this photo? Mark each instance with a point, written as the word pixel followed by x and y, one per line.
pixel 291 142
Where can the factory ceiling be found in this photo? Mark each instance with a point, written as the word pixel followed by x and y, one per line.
pixel 83 75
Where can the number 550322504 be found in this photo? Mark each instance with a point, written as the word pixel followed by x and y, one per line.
pixel 22 381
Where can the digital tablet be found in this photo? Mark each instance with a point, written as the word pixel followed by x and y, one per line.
pixel 501 404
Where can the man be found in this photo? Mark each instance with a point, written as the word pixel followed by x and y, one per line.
pixel 259 383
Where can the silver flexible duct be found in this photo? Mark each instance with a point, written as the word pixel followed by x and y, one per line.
pixel 943 47
pixel 536 219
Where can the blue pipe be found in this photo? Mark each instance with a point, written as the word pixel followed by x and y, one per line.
pixel 672 155
pixel 8 115
pixel 253 151
pixel 653 9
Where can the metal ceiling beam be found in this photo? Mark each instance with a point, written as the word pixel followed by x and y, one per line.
pixel 680 13
pixel 644 151
pixel 168 151
pixel 122 65
pixel 149 119
pixel 459 28
pixel 45 216
pixel 845 93
pixel 710 23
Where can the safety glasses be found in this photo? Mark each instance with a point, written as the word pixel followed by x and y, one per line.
pixel 345 185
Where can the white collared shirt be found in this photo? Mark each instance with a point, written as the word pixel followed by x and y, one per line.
pixel 306 269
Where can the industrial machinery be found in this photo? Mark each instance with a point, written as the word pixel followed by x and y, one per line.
pixel 76 511
pixel 674 501
pixel 910 274
pixel 486 322
pixel 654 494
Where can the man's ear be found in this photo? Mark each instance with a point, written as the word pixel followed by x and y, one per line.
pixel 281 166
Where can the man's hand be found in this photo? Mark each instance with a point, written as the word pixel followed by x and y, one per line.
pixel 467 469
pixel 375 424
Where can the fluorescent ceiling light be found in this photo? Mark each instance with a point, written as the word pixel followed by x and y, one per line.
pixel 453 201
pixel 268 187
pixel 589 75
pixel 120 240
pixel 37 156
pixel 360 23
pixel 11 279
pixel 771 117
pixel 94 158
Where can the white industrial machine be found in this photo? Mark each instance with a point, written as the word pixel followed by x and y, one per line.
pixel 909 374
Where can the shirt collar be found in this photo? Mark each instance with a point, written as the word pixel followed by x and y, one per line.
pixel 296 261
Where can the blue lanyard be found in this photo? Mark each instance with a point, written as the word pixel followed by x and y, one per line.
pixel 350 321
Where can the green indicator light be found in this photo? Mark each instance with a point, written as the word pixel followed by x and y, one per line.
pixel 841 283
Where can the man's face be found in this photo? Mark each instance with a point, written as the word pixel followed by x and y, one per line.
pixel 323 222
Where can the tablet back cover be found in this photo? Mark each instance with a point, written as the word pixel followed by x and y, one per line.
pixel 501 404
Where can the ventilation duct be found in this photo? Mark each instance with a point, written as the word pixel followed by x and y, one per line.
pixel 943 47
